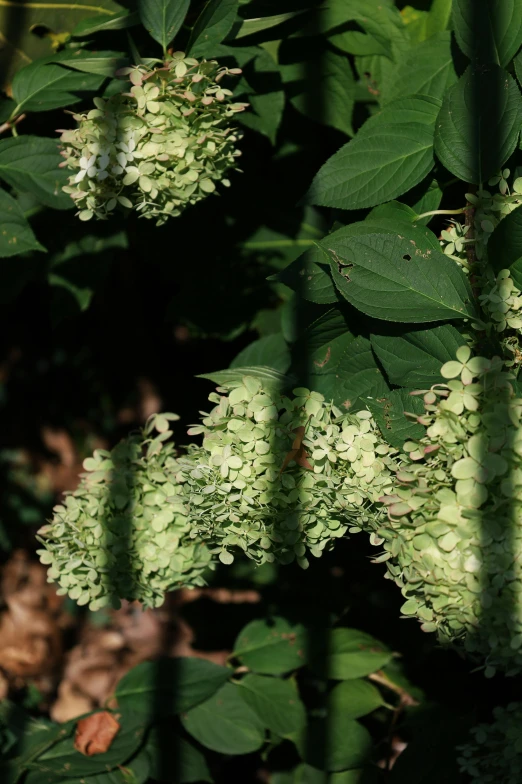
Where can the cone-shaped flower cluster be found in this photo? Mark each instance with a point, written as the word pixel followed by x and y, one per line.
pixel 124 533
pixel 453 538
pixel 157 148
pixel 276 478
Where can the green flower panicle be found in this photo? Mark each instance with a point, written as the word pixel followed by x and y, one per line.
pixel 164 144
pixel 276 478
pixel 124 533
pixel 280 477
pixel 453 535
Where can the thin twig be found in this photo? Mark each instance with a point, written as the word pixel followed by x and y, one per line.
pixel 10 124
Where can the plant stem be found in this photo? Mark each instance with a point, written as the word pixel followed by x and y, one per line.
pixel 441 212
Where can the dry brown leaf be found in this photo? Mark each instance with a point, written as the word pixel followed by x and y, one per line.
pixel 94 735
pixel 298 452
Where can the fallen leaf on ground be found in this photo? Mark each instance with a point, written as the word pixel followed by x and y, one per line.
pixel 95 734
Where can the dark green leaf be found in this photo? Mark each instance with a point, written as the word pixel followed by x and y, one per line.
pixel 16 235
pixel 169 686
pixel 412 109
pixel 64 760
pixel 271 647
pixel 212 26
pixel 354 699
pixel 30 163
pixel 390 414
pixel 339 743
pixel 339 365
pixel 261 86
pixel 97 24
pixel 135 771
pixel 399 279
pixel 269 351
pixel 505 246
pixel 349 654
pixel 163 18
pixel 309 276
pixel 479 124
pixel 41 87
pixel 225 723
pixel 101 63
pixel 184 764
pixel 260 23
pixel 489 31
pixel 381 22
pixel 414 359
pixel 319 84
pixel 425 69
pixel 381 163
pixel 267 374
pixel 275 701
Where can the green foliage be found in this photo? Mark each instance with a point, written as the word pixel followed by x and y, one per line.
pixel 163 18
pixel 372 385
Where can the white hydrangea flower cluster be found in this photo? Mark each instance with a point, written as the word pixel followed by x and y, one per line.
pixel 124 533
pixel 489 209
pixel 453 538
pixel 280 477
pixel 157 148
pixel 276 478
pixel 494 756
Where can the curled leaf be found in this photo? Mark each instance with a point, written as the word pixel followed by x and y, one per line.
pixel 94 734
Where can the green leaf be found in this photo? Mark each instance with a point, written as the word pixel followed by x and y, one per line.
pixel 505 246
pixel 169 686
pixel 30 163
pixel 354 699
pixel 234 375
pixel 381 22
pixel 412 109
pixel 339 365
pixel 269 351
pixel 101 63
pixel 479 124
pixel 260 23
pixel 398 279
pixel 429 199
pixel 389 412
pixel 349 654
pixel 20 44
pixel 163 18
pixel 98 24
pixel 135 771
pixel 426 69
pixel 16 235
pixel 489 31
pixel 261 86
pixel 65 761
pixel 275 701
pixel 379 164
pixel 320 84
pixel 271 647
pixel 439 17
pixel 309 276
pixel 414 359
pixel 225 723
pixel 212 26
pixel 185 765
pixel 41 87
pixel 339 743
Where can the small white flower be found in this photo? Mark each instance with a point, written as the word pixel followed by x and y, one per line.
pixel 86 167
